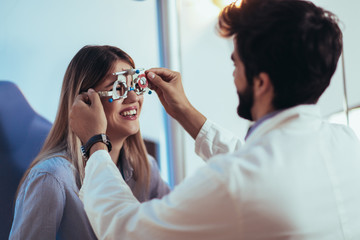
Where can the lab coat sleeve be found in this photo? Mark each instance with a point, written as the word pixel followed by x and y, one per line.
pixel 213 140
pixel 201 207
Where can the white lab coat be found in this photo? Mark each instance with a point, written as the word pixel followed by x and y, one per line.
pixel 296 177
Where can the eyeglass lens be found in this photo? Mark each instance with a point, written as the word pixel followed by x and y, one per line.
pixel 139 84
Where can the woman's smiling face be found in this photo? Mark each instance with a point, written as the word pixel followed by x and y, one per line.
pixel 122 114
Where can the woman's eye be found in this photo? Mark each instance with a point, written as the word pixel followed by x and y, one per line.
pixel 120 88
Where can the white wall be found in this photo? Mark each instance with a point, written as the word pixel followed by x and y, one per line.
pixel 38 38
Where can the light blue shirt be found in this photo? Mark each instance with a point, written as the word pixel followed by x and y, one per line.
pixel 48 206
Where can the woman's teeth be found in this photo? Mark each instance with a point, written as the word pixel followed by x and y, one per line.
pixel 128 113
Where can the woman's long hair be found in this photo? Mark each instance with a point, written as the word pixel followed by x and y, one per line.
pixel 86 70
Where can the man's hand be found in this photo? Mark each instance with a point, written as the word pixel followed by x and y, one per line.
pixel 87 117
pixel 167 84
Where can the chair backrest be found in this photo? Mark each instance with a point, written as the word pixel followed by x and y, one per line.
pixel 22 134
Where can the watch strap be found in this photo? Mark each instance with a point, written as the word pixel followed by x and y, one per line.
pixel 85 149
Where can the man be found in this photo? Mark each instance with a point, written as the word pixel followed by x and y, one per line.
pixel 296 177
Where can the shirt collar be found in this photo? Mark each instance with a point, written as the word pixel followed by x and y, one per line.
pixel 260 121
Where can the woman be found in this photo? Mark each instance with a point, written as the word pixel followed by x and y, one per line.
pixel 47 204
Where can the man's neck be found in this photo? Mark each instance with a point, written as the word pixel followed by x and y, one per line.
pixel 262 104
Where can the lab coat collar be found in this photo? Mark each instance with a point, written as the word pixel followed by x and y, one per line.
pixel 308 111
pixel 260 121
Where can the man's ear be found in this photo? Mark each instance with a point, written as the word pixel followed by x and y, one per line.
pixel 262 85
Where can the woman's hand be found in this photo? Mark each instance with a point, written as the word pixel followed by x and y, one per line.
pixel 87 117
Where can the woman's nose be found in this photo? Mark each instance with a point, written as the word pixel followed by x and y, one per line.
pixel 131 97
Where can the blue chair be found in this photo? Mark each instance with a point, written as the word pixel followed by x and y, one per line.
pixel 22 134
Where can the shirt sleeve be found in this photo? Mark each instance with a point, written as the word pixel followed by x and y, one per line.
pixel 213 140
pixel 201 207
pixel 39 208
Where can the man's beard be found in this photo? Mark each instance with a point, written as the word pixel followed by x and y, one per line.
pixel 246 101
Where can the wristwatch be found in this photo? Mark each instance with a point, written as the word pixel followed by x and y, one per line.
pixel 85 149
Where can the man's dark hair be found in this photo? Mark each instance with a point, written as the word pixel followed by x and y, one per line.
pixel 297 43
